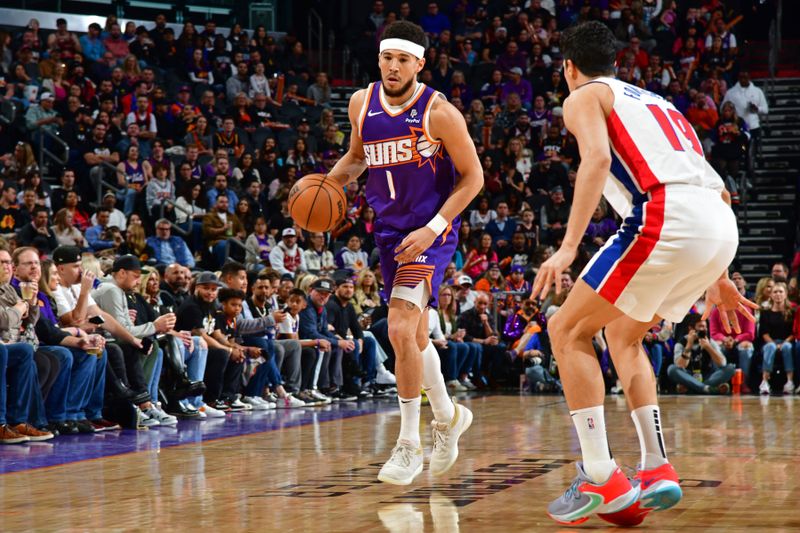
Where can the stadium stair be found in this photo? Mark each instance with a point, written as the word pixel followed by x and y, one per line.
pixel 340 98
pixel 767 230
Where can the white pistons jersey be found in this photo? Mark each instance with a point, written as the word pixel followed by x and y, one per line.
pixel 652 144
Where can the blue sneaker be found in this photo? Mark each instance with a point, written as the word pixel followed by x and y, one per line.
pixel 585 497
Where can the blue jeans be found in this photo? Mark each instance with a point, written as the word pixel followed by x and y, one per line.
pixel 95 394
pixel 368 360
pixel 473 364
pixel 680 376
pixel 538 374
pixel 18 371
pixel 195 360
pixel 769 350
pixel 128 199
pixel 66 397
pixel 743 355
pixel 656 353
pixel 454 359
pixel 152 380
pixel 267 373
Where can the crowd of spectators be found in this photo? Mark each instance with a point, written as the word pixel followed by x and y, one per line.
pixel 172 281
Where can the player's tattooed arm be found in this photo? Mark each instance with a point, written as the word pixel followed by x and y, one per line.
pixel 353 163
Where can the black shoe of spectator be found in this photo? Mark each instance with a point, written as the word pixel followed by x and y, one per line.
pixel 101 424
pixel 123 392
pixel 46 427
pixel 185 389
pixel 221 406
pixel 63 428
pixel 84 426
pixel 177 409
pixel 342 396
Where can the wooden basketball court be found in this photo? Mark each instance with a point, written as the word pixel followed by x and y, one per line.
pixel 314 470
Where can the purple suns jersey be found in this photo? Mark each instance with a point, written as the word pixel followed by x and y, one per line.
pixel 410 174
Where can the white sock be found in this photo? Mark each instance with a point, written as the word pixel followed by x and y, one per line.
pixel 409 419
pixel 647 420
pixel 591 426
pixel 435 388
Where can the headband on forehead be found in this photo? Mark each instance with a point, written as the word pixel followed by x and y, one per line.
pixel 406 46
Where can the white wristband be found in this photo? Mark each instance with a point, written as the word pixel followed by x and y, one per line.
pixel 438 224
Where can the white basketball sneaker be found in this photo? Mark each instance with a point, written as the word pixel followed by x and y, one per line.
pixel 445 439
pixel 404 465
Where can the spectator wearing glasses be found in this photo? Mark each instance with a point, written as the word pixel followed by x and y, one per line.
pixel 77 392
pixel 169 248
pixel 18 376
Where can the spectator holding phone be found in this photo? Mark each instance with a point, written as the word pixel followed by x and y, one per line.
pixel 700 366
pixel 112 297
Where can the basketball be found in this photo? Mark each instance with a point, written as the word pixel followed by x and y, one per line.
pixel 425 148
pixel 317 203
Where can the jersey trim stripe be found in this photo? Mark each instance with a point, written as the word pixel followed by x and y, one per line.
pixel 385 105
pixel 364 108
pixel 630 153
pixel 641 248
pixel 605 261
pixel 623 175
pixel 426 115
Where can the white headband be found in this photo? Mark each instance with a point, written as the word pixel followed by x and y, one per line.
pixel 406 46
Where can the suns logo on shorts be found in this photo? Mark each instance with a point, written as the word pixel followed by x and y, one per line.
pixel 414 147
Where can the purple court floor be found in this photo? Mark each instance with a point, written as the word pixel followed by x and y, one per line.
pixel 73 448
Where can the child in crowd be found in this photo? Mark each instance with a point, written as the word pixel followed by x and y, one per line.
pixel 289 329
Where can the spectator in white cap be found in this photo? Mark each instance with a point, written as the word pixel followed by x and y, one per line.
pixel 517 84
pixel 465 296
pixel 116 217
pixel 43 116
pixel 287 257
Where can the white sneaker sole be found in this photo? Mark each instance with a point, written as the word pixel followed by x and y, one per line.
pixel 464 427
pixel 401 482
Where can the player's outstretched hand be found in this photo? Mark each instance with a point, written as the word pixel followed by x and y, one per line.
pixel 550 272
pixel 724 295
pixel 414 244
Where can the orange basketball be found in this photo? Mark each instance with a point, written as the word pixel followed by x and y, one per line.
pixel 317 202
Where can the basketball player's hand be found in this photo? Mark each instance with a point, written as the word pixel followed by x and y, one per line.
pixel 550 272
pixel 414 244
pixel 724 295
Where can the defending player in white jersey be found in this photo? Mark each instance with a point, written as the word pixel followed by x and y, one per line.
pixel 677 239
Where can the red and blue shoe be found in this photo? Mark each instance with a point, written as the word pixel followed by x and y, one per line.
pixel 585 497
pixel 659 490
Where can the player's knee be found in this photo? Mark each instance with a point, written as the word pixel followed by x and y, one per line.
pixel 558 331
pixel 422 339
pixel 401 332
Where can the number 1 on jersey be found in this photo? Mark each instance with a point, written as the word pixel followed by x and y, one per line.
pixel 391 184
pixel 681 123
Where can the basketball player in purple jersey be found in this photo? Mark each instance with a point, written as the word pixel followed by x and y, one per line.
pixel 423 172
pixel 678 237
